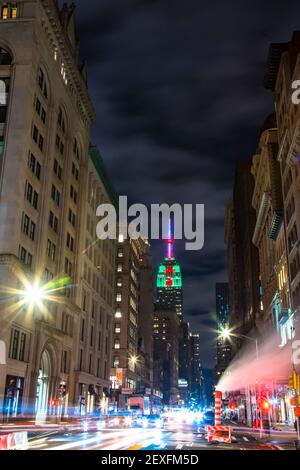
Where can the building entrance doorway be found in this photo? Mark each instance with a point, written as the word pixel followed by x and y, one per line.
pixel 43 388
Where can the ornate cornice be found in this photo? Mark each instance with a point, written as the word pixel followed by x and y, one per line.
pixel 68 56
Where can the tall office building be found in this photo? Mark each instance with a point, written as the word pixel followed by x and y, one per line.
pixel 197 380
pixel 145 324
pixel 169 281
pixel 128 365
pixel 55 301
pixel 185 363
pixel 222 314
pixel 242 255
pixel 166 354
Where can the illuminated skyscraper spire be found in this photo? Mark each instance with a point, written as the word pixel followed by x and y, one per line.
pixel 170 242
pixel 169 278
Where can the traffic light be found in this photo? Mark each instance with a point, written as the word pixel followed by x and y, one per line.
pixel 265 404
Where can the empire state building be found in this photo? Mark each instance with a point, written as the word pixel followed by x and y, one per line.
pixel 169 281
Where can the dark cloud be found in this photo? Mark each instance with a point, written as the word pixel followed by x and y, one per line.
pixel 178 92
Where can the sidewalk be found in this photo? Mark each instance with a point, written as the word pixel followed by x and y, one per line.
pixel 281 436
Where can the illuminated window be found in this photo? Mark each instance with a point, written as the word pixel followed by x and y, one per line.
pixel 14 12
pixel 117 328
pixel 119 298
pixel 117 344
pixel 4 13
pixel 120 268
pixel 118 313
pixel 116 361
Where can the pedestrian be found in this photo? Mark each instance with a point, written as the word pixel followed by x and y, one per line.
pixel 296 425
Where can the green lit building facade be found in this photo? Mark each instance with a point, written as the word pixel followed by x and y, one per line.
pixel 169 282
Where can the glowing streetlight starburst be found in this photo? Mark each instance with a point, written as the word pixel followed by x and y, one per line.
pixel 225 333
pixel 33 293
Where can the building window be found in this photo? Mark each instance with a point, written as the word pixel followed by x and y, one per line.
pixel 18 345
pixel 34 166
pixel 31 195
pixel 81 360
pixel 22 347
pixel 72 218
pixel 57 169
pixel 4 13
pixel 70 242
pixel 76 149
pixel 51 250
pixel 61 120
pixel 117 328
pixel 120 268
pixel 42 83
pixel 92 337
pixel 73 194
pixel 15 344
pixel 118 313
pixel 116 362
pixel 99 341
pixel 90 363
pixel 68 267
pixel 25 256
pixel 82 330
pixel 119 297
pixel 9 12
pixel 75 171
pixel 55 195
pixel 117 344
pixel 53 222
pixel 64 362
pixel 5 57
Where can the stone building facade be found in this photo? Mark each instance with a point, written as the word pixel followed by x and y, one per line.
pixel 45 170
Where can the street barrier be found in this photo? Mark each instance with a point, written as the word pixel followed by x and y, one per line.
pixel 218 399
pixel 21 441
pixel 215 434
pixel 6 442
pixel 14 441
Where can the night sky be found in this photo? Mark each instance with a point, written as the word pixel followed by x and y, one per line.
pixel 178 90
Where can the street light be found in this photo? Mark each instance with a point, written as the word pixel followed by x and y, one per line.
pixel 33 295
pixel 227 333
pixel 133 360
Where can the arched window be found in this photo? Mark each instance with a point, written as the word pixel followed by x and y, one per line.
pixel 76 149
pixel 61 120
pixel 5 57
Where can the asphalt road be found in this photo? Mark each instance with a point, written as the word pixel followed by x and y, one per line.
pixel 173 436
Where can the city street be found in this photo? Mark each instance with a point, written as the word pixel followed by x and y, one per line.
pixel 171 437
pixel 150 231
